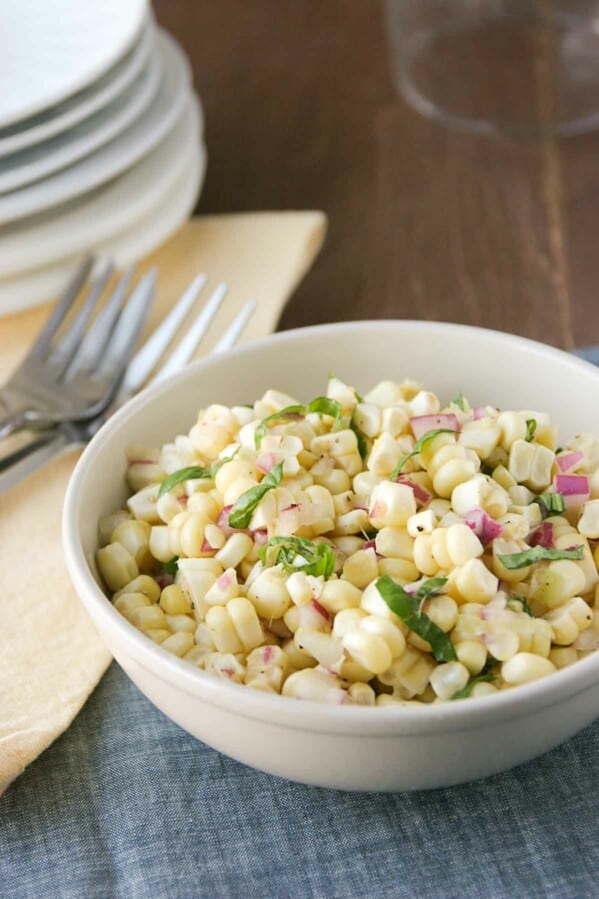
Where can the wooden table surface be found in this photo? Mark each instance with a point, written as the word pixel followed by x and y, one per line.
pixel 426 223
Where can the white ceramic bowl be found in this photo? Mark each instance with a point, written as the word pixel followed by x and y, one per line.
pixel 341 746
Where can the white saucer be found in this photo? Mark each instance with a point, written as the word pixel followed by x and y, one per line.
pixel 112 159
pixel 60 118
pixel 112 208
pixel 155 229
pixel 52 48
pixel 61 151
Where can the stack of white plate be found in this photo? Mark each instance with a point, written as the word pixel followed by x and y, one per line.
pixel 101 144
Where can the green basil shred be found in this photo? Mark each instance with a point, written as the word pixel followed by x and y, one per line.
pixel 539 554
pixel 531 429
pixel 459 401
pixel 408 609
pixel 485 676
pixel 550 503
pixel 418 447
pixel 360 437
pixel 241 513
pixel 287 412
pixel 521 601
pixel 466 691
pixel 192 473
pixel 171 567
pixel 323 405
pixel 299 554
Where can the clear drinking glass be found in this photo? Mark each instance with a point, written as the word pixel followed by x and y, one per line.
pixel 524 67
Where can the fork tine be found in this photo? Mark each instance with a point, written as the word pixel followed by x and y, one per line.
pixel 66 349
pixel 233 332
pixel 183 353
pixel 42 343
pixel 151 352
pixel 127 328
pixel 93 343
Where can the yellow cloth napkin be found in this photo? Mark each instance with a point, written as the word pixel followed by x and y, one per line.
pixel 50 655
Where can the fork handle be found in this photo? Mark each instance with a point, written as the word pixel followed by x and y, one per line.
pixel 14 421
pixel 20 464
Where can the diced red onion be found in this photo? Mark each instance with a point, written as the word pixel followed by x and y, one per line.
pixel 378 510
pixel 369 544
pixel 478 412
pixel 568 461
pixel 483 525
pixel 575 489
pixel 164 580
pixel 320 609
pixel 183 500
pixel 421 424
pixel 260 536
pixel 224 581
pixel 207 547
pixel 543 536
pixel 421 495
pixel 266 654
pixel 223 518
pixel 290 520
pixel 266 462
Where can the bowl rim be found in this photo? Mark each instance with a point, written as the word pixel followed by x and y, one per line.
pixel 273 708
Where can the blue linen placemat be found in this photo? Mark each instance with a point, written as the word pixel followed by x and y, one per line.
pixel 125 804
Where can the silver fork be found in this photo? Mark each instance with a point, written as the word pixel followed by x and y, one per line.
pixel 75 375
pixel 68 435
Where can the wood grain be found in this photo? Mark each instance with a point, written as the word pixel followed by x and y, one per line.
pixel 424 223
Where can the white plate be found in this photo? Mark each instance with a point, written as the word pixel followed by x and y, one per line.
pixel 85 103
pixel 113 208
pixel 52 48
pixel 61 151
pixel 130 146
pixel 128 247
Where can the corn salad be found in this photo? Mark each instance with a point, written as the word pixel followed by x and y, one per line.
pixel 371 551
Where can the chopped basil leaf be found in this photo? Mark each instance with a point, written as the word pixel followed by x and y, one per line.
pixel 407 608
pixel 539 554
pixel 359 398
pixel 170 567
pixel 299 554
pixel 362 442
pixel 550 503
pixel 241 513
pixel 521 601
pixel 466 691
pixel 531 429
pixel 325 406
pixel 216 466
pixel 430 587
pixel 191 473
pixel 418 447
pixel 485 676
pixel 322 405
pixel 287 412
pixel 459 401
